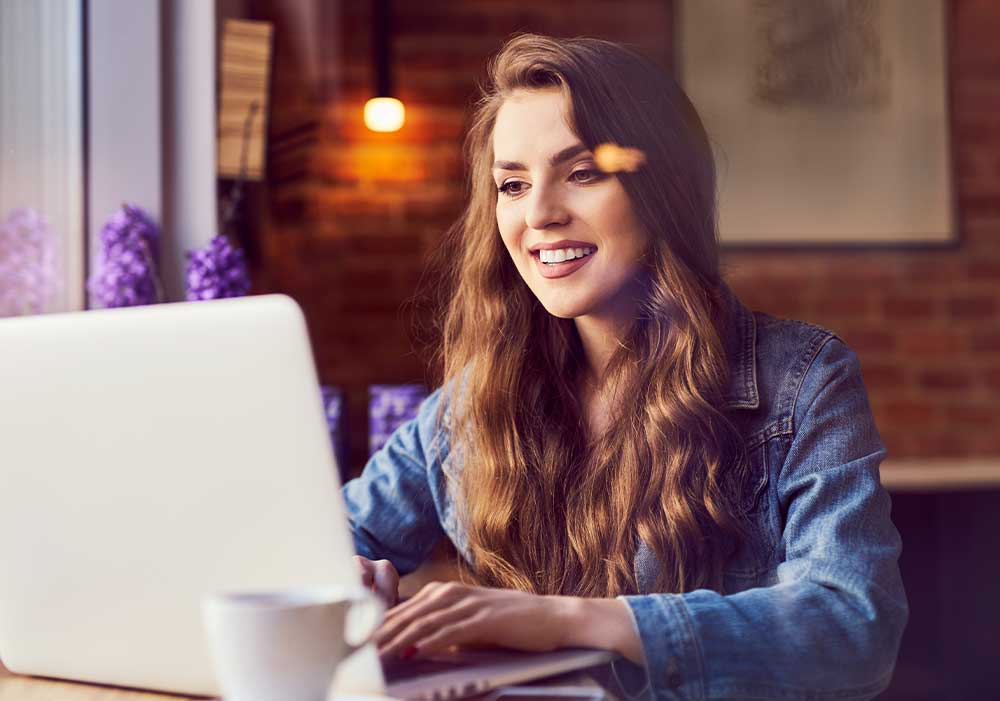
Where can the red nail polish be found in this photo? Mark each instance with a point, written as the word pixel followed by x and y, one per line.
pixel 408 652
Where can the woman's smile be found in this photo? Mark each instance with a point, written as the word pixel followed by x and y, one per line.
pixel 561 258
pixel 562 264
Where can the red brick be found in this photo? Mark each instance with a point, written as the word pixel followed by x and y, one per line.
pixel 978 231
pixel 973 416
pixel 781 306
pixel 976 94
pixel 938 443
pixel 931 342
pixel 986 205
pixel 984 443
pixel 895 442
pixel 908 306
pixel 872 271
pixel 972 307
pixel 881 376
pixel 987 342
pixel 984 269
pixel 977 172
pixel 387 163
pixel 346 206
pixel 940 267
pixel 946 379
pixel 400 281
pixel 978 129
pixel 844 306
pixel 908 412
pixel 991 378
pixel 864 341
pixel 770 264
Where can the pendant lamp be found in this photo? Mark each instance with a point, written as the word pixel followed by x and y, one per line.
pixel 383 112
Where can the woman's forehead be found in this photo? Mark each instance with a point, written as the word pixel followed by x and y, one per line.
pixel 532 124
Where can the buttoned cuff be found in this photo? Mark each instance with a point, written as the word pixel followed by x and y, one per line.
pixel 673 657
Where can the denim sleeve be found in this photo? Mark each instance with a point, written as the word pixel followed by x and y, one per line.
pixel 831 625
pixel 390 507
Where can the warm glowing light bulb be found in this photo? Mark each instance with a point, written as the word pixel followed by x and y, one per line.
pixel 384 114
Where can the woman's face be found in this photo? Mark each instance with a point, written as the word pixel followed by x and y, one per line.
pixel 554 205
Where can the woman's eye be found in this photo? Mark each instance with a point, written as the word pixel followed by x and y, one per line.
pixel 511 188
pixel 585 175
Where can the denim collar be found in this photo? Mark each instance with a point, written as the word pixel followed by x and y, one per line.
pixel 741 351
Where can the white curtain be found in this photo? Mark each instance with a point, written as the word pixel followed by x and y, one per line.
pixel 41 129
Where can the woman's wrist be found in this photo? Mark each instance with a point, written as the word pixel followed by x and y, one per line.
pixel 604 624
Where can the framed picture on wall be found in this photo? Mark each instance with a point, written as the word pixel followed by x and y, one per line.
pixel 829 119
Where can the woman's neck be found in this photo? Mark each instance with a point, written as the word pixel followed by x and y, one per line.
pixel 600 336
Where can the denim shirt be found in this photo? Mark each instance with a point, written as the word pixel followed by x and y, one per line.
pixel 813 604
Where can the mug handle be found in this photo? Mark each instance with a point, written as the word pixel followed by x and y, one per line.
pixel 363 618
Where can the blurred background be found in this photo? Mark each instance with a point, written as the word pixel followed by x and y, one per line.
pixel 255 129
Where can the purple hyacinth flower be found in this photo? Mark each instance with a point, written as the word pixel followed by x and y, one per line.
pixel 216 271
pixel 29 264
pixel 129 260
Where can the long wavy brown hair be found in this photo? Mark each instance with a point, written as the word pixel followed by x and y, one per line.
pixel 549 508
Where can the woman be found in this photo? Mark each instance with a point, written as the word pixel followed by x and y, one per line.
pixel 624 456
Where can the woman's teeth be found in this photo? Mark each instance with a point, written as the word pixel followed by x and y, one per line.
pixel 560 255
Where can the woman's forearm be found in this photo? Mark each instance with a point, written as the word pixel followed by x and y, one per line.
pixel 605 624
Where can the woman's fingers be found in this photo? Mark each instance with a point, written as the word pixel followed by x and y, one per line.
pixel 443 615
pixel 432 598
pixel 463 631
pixel 432 595
pixel 386 582
pixel 426 602
pixel 423 601
pixel 381 577
pixel 411 632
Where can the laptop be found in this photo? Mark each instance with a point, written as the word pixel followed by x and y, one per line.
pixel 153 454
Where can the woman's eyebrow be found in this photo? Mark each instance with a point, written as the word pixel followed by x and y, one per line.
pixel 561 157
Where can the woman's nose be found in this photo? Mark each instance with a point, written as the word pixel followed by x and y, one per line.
pixel 546 208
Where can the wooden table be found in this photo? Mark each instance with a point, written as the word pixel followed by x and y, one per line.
pixel 14 687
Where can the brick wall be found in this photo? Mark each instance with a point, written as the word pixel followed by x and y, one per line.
pixel 348 215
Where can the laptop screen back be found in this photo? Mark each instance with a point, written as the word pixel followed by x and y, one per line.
pixel 151 455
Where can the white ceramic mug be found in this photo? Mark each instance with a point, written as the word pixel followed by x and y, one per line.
pixel 286 645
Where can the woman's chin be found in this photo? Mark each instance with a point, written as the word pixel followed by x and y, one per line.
pixel 564 311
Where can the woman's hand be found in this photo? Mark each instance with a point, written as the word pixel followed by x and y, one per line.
pixel 443 614
pixel 381 577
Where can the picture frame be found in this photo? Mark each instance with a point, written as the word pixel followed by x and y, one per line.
pixel 829 120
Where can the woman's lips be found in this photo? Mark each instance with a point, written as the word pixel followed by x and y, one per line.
pixel 554 270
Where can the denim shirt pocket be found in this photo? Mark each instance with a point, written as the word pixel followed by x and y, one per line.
pixel 754 558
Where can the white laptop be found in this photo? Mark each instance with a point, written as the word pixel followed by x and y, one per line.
pixel 153 454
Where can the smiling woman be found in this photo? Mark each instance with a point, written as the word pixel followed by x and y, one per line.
pixel 624 456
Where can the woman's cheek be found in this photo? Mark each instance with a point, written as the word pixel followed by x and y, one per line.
pixel 510 237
